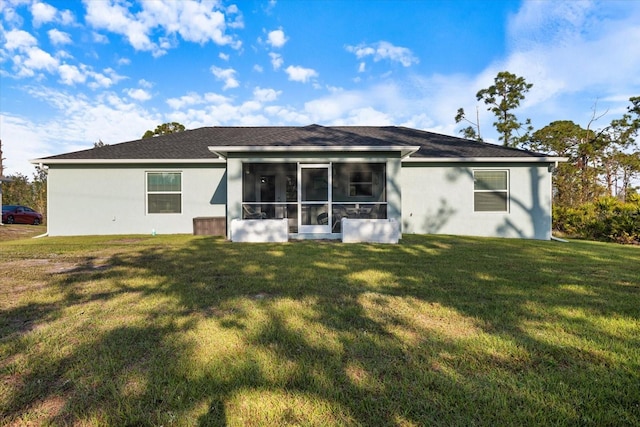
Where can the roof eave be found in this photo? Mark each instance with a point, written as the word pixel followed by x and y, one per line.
pixel 123 161
pixel 546 159
pixel 223 151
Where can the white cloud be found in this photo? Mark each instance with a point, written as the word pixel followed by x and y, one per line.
pixel 276 38
pixel 216 99
pixel 238 20
pixel 78 123
pixel 366 116
pixel 565 48
pixel 116 18
pixel 249 107
pixel 70 74
pixel 383 50
pixel 36 60
pixel 9 14
pixel 258 68
pixel 223 56
pixel 42 13
pixel 288 116
pixel 145 84
pixel 58 37
pixel 99 80
pixel 198 22
pixel 300 74
pixel 82 120
pixel 193 98
pixel 100 38
pixel 19 40
pixel 266 95
pixel 335 106
pixel 185 101
pixel 276 60
pixel 28 60
pixel 228 75
pixel 138 94
pixel 22 140
pixel 66 17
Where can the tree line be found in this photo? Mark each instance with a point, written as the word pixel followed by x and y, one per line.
pixel 594 192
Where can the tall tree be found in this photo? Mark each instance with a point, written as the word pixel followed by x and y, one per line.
pixel 39 191
pixel 473 130
pixel 164 129
pixel 575 181
pixel 620 157
pixel 502 98
pixel 17 191
pixel 1 160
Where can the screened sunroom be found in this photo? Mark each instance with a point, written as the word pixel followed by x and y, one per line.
pixel 314 197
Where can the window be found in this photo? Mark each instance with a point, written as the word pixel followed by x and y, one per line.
pixel 490 191
pixel 164 192
pixel 270 190
pixel 361 184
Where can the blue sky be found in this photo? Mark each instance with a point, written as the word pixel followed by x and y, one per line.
pixel 76 72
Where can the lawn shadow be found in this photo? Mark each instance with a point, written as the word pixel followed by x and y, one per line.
pixel 326 333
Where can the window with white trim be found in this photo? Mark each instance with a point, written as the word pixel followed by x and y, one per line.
pixel 164 192
pixel 490 191
pixel 361 184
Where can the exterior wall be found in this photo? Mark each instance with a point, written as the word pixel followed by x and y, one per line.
pixel 437 198
pixel 424 198
pixel 93 200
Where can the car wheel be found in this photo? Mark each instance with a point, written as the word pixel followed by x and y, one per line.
pixel 10 219
pixel 36 221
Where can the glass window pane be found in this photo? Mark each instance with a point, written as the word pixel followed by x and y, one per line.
pixel 164 181
pixel 359 182
pixel 165 203
pixel 269 182
pixel 490 201
pixel 490 180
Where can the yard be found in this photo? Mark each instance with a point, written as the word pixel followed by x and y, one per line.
pixel 185 330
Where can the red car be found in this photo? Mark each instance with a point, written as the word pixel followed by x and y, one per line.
pixel 16 214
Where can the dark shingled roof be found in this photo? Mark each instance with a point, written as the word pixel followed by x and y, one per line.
pixel 193 144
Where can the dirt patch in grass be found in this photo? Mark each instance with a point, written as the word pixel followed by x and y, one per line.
pixel 19 231
pixel 60 267
pixel 126 241
pixel 24 288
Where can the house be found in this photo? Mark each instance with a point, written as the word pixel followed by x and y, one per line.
pixel 309 181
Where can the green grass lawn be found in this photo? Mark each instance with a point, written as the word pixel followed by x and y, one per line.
pixel 184 330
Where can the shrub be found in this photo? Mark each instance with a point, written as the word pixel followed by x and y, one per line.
pixel 607 219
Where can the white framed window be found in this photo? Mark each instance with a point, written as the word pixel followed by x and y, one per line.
pixel 164 192
pixel 490 191
pixel 361 184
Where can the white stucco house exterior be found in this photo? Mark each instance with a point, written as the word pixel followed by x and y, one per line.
pixel 309 180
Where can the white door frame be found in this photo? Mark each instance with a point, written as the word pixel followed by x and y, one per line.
pixel 319 205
